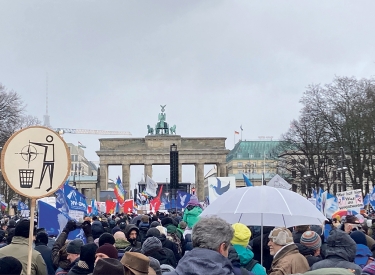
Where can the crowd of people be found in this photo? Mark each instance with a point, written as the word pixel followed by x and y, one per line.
pixel 183 243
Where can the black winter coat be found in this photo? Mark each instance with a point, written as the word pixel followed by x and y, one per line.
pixel 170 245
pixel 47 257
pixel 164 256
pixel 257 249
pixel 308 253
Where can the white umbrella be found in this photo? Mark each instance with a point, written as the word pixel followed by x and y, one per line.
pixel 265 206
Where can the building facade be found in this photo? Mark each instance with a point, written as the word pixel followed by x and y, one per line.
pixel 256 159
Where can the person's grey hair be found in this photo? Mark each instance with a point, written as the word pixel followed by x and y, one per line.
pixel 211 232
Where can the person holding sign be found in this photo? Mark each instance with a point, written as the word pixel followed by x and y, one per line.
pixel 19 249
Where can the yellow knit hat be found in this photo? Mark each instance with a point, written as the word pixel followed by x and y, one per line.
pixel 241 235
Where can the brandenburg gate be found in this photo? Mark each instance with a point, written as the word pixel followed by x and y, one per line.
pixel 154 149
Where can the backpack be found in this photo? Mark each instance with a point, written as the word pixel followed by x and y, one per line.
pixel 251 265
pixel 174 238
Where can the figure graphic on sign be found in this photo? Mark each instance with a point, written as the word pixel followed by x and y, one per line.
pixel 48 161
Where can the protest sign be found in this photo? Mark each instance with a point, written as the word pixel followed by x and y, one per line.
pixel 349 199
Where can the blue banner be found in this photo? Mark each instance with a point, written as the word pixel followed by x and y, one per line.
pixel 22 206
pixel 319 200
pixel 54 221
pixel 61 204
pixel 74 199
pixel 182 199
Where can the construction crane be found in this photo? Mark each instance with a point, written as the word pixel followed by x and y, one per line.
pixel 62 131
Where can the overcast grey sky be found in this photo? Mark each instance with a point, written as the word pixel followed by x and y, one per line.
pixel 215 64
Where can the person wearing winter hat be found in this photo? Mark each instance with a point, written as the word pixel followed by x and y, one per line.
pixel 137 264
pixel 19 250
pixel 192 212
pixel 154 224
pixel 155 265
pixel 309 246
pixel 240 242
pixel 106 238
pixel 340 252
pixel 10 266
pixel 62 259
pixel 121 244
pixel 73 249
pixel 152 247
pixel 108 266
pixel 86 262
pixel 106 251
pixel 131 234
pixel 286 257
pixel 166 243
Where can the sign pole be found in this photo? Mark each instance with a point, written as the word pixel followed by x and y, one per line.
pixel 31 235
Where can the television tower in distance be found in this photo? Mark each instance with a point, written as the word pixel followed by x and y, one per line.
pixel 46 121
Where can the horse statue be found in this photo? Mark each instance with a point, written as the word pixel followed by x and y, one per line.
pixel 173 130
pixel 150 130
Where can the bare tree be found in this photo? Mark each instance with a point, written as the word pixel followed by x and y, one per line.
pixel 339 114
pixel 12 118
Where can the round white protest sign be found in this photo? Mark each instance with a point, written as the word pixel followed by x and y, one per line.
pixel 35 161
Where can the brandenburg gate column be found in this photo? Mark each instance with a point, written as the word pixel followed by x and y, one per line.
pixel 179 172
pixel 221 170
pixel 148 170
pixel 199 180
pixel 126 179
pixel 103 177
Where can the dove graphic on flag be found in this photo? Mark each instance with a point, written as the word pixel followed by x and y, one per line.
pixel 182 199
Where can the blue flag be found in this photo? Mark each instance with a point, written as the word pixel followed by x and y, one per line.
pixel 182 199
pixel 117 208
pixel 22 206
pixel 331 205
pixel 247 180
pixel 94 208
pixel 74 199
pixel 314 195
pixel 319 200
pixel 372 198
pixel 366 200
pixel 54 221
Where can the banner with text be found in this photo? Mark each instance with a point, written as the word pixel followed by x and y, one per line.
pixel 349 199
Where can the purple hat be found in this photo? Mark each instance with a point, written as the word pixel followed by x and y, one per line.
pixel 194 201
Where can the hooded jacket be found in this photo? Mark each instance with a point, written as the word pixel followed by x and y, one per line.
pixel 203 261
pixel 236 264
pixel 241 257
pixel 245 256
pixel 128 229
pixel 167 244
pixel 289 261
pixel 153 248
pixel 309 254
pixel 191 215
pixel 97 229
pixel 340 252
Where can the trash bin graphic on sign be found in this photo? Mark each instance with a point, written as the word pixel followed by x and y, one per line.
pixel 29 153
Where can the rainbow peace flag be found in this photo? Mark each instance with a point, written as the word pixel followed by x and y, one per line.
pixel 119 191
